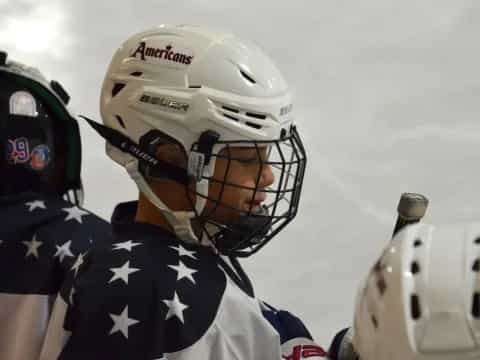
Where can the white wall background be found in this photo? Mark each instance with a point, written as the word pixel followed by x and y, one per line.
pixel 387 97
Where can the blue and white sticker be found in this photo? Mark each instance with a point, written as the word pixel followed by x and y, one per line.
pixel 40 157
pixel 18 151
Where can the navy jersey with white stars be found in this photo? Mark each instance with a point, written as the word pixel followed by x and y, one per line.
pixel 42 243
pixel 146 295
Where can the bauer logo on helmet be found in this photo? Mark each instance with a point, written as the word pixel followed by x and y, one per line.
pixel 164 102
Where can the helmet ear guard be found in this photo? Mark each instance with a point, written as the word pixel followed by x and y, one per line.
pixel 142 152
pixel 3 58
pixel 198 157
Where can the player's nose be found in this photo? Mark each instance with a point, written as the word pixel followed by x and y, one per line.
pixel 267 177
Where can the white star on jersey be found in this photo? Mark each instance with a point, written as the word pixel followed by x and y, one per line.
pixel 32 247
pixel 75 213
pixel 183 272
pixel 37 204
pixel 127 245
pixel 78 263
pixel 63 251
pixel 122 272
pixel 184 252
pixel 175 308
pixel 122 322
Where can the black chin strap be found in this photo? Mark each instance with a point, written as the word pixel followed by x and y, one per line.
pixel 246 232
pixel 124 144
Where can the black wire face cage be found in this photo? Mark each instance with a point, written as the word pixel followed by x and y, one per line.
pixel 269 188
pixel 254 196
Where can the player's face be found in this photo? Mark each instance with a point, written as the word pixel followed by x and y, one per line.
pixel 237 172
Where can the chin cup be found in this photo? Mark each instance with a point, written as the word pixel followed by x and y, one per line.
pixel 249 230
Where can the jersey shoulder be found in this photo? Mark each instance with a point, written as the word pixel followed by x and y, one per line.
pixel 42 240
pixel 144 292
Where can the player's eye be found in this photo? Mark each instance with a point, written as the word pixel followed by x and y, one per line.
pixel 249 161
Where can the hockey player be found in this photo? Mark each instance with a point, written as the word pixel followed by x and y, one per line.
pixel 202 122
pixel 42 237
pixel 420 301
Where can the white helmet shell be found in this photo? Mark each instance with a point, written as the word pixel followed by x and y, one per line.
pixel 421 300
pixel 184 81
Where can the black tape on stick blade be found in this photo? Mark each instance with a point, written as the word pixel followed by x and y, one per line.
pixel 411 209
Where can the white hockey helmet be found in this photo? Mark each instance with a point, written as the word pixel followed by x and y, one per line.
pixel 421 300
pixel 207 90
pixel 40 135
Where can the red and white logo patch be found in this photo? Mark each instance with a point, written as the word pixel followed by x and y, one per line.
pixel 306 352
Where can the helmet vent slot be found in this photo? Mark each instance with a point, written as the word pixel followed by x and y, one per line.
pixel 477 241
pixel 476 306
pixel 415 268
pixel 195 86
pixel 241 116
pixel 418 243
pixel 136 73
pixel 476 266
pixel 120 121
pixel 117 88
pixel 230 117
pixel 415 308
pixel 248 77
pixel 256 126
pixel 374 321
pixel 230 109
pixel 256 116
pixel 60 91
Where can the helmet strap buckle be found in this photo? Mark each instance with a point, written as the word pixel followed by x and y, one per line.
pixel 196 164
pixel 201 153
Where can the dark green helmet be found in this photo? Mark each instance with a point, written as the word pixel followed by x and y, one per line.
pixel 40 139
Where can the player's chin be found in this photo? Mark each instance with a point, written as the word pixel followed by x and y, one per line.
pixel 224 214
pixel 232 213
pixel 252 208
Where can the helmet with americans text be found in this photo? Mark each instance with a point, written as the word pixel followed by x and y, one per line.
pixel 211 93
